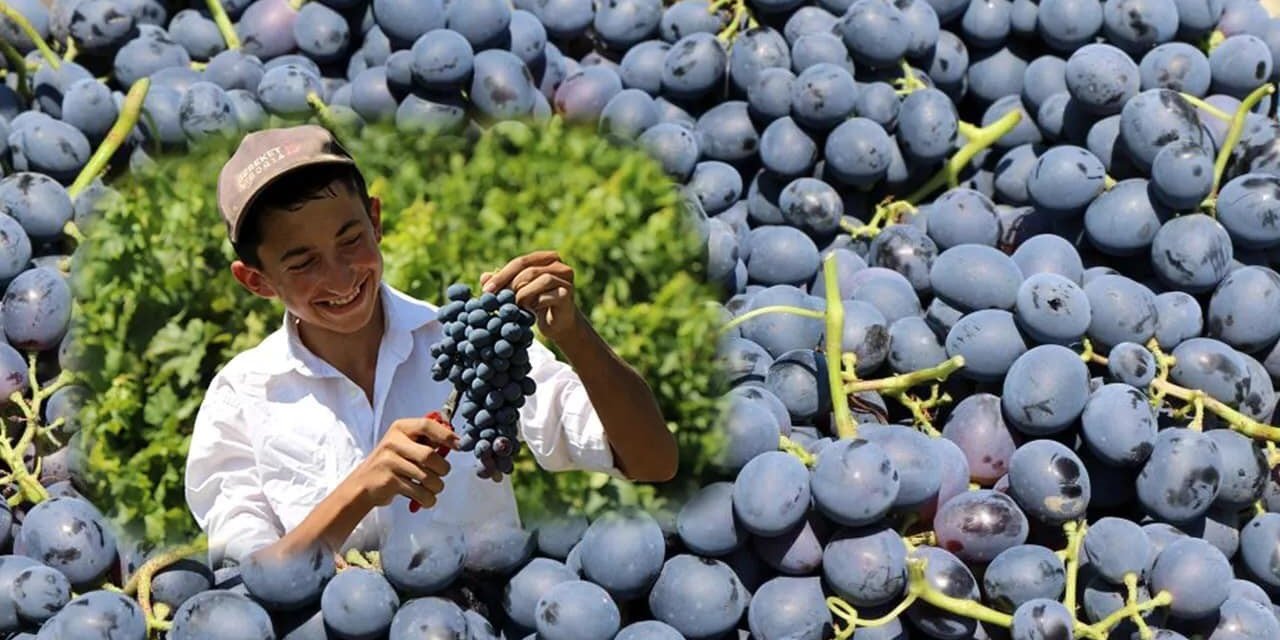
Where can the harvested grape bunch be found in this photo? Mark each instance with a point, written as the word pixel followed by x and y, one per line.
pixel 485 355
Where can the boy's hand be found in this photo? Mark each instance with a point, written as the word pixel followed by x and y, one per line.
pixel 405 462
pixel 544 285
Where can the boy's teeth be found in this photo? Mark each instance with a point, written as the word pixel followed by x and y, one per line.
pixel 343 301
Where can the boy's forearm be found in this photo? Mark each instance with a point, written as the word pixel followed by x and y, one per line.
pixel 330 523
pixel 644 449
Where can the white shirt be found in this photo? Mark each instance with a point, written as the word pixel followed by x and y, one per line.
pixel 280 428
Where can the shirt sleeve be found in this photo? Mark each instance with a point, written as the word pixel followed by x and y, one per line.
pixel 558 422
pixel 223 489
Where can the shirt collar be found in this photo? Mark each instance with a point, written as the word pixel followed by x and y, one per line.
pixel 402 315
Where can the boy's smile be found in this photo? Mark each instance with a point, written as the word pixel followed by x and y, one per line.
pixel 323 261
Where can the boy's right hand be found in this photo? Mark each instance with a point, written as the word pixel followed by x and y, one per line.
pixel 405 462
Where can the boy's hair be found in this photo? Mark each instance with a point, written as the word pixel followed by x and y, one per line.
pixel 289 193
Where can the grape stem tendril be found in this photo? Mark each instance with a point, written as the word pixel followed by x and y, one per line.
pixel 29 30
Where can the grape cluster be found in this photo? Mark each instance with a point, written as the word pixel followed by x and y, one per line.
pixel 485 355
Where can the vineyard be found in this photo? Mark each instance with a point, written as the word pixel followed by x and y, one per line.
pixel 965 314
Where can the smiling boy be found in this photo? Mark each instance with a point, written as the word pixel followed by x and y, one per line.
pixel 317 434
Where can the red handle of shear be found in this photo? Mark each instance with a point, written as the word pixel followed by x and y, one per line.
pixel 440 451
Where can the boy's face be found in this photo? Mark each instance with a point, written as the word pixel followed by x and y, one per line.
pixel 322 260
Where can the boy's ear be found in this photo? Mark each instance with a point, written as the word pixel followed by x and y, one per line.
pixel 252 279
pixel 375 216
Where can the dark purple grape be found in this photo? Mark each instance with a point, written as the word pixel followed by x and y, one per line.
pixel 1049 482
pixel 1023 573
pixel 865 566
pixel 947 574
pixel 404 21
pixel 284 90
pixel 266 29
pixel 755 50
pixel 1182 476
pixel 501 86
pixel 37 309
pixel 979 525
pixel 694 66
pixel 72 536
pixel 583 95
pixel 321 33
pixel 234 69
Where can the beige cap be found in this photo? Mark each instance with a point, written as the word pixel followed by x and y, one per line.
pixel 264 156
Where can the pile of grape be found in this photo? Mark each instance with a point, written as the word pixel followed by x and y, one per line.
pixel 485 355
pixel 1002 311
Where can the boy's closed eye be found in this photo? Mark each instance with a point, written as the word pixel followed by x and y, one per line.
pixel 349 242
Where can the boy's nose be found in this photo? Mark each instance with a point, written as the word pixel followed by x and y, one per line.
pixel 342 278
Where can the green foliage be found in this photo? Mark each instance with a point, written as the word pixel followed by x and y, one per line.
pixel 617 219
pixel 159 312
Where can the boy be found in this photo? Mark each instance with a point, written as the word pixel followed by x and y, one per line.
pixel 317 435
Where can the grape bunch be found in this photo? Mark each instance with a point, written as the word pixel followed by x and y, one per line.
pixel 485 355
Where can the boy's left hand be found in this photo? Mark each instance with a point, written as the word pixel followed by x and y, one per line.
pixel 544 285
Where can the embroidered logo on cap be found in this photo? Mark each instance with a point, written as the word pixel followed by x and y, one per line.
pixel 263 162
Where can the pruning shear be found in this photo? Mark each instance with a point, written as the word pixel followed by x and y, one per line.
pixel 443 416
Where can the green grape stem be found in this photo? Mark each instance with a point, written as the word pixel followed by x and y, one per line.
pixel 1075 538
pixel 976 140
pixel 30 31
pixel 225 27
pixel 1213 40
pixel 841 370
pixel 28 482
pixel 1132 610
pixel 904 381
pixel 920 408
pixel 355 558
pixel 796 449
pixel 1131 584
pixel 897 387
pixel 908 83
pixel 981 138
pixel 918 586
pixel 1199 402
pixel 927 538
pixel 140 582
pixel 844 611
pixel 886 213
pixel 1233 135
pixel 919 589
pixel 1206 107
pixel 130 111
pixel 835 348
pixel 777 308
pixel 323 113
pixel 19 66
pixel 741 13
pixel 1164 363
